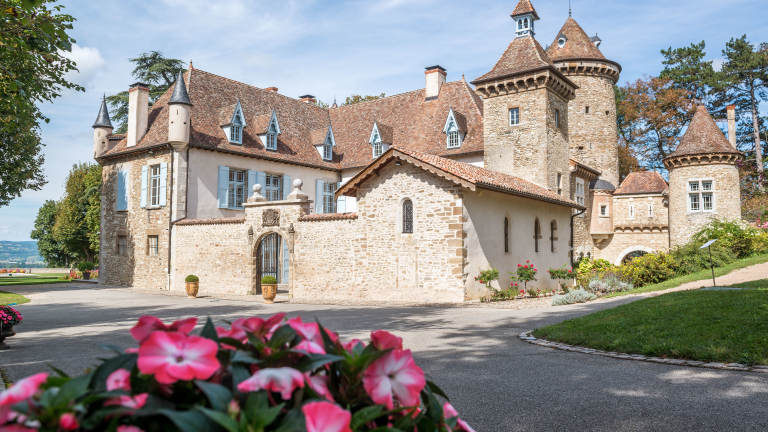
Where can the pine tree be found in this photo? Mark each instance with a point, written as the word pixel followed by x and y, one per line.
pixel 688 70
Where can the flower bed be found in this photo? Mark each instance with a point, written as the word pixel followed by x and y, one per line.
pixel 257 375
pixel 12 271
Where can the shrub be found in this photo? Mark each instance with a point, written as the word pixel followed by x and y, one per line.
pixel 525 273
pixel 736 235
pixel 9 316
pixel 691 259
pixel 649 269
pixel 589 268
pixel 257 375
pixel 609 283
pixel 574 296
pixel 269 280
pixel 84 266
pixel 760 242
pixel 191 278
pixel 487 276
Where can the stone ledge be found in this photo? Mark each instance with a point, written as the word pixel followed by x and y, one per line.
pixel 526 337
pixel 327 217
pixel 216 221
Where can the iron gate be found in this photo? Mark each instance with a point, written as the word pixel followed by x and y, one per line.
pixel 268 259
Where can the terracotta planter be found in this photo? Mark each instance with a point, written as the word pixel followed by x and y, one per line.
pixel 7 332
pixel 192 288
pixel 269 291
pixel 86 275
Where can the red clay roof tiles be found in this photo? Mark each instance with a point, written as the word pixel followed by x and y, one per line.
pixel 642 182
pixel 703 136
pixel 577 46
pixel 524 7
pixel 522 54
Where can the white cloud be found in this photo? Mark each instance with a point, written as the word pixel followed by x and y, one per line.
pixel 88 60
pixel 717 64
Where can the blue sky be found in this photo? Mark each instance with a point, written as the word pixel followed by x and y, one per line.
pixel 338 48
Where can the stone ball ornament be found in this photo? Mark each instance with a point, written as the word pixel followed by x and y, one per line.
pixel 298 183
pixel 257 188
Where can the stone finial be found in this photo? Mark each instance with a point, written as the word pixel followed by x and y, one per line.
pixel 297 193
pixel 256 197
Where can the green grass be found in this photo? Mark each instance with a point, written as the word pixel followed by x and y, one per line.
pixel 693 277
pixel 43 278
pixel 7 298
pixel 711 326
pixel 758 284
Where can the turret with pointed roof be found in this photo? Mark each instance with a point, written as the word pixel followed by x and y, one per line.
pixel 179 95
pixel 179 113
pixel 102 120
pixel 102 128
pixel 702 138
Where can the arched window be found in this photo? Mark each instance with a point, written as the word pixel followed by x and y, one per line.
pixel 407 217
pixel 506 235
pixel 520 25
pixel 536 234
pixel 525 23
pixel 552 234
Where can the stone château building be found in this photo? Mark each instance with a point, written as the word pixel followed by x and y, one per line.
pixel 402 198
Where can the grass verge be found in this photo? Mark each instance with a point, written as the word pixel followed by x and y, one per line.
pixel 758 284
pixel 45 278
pixel 693 277
pixel 8 298
pixel 711 326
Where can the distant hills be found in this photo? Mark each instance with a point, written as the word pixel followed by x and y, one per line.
pixel 19 252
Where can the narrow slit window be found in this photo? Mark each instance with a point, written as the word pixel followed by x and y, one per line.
pixel 552 235
pixel 559 184
pixel 506 235
pixel 536 234
pixel 154 248
pixel 122 245
pixel 407 217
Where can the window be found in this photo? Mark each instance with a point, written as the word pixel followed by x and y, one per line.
pixel 122 245
pixel 552 235
pixel 153 248
pixel 694 186
pixel 453 139
pixel 631 210
pixel 235 131
pixel 561 42
pixel 328 151
pixel 536 234
pixel 154 183
pixel 694 200
pixel 236 188
pixel 378 148
pixel 407 217
pixel 329 202
pixel 603 210
pixel 506 235
pixel 271 141
pixel 580 191
pixel 701 195
pixel 650 210
pixel 706 185
pixel 586 110
pixel 520 25
pixel 514 116
pixel 557 118
pixel 274 187
pixel 706 200
pixel 559 184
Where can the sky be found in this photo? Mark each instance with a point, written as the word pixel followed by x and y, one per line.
pixel 338 48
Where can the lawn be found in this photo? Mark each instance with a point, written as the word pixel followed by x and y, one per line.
pixel 758 284
pixel 8 298
pixel 711 326
pixel 43 278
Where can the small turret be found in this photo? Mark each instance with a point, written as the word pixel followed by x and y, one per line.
pixel 101 129
pixel 178 116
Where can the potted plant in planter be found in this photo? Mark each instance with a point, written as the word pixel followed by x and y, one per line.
pixel 193 284
pixel 86 267
pixel 8 318
pixel 269 288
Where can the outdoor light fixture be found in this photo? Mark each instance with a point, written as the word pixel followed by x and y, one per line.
pixel 708 245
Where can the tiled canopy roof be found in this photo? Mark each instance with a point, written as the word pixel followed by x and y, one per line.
pixel 524 7
pixel 522 54
pixel 642 182
pixel 469 176
pixel 577 45
pixel 703 136
pixel 415 123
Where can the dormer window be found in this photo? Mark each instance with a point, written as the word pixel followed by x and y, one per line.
pixel 233 123
pixel 378 147
pixel 236 130
pixel 454 140
pixel 453 134
pixel 273 130
pixel 381 137
pixel 561 42
pixel 271 141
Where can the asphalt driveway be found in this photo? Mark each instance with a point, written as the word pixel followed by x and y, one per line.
pixel 496 381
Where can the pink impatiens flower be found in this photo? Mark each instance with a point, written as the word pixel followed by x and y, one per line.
pixel 68 422
pixel 119 380
pixel 326 417
pixel 319 384
pixel 129 428
pixel 22 390
pixel 351 344
pixel 282 380
pixel 173 356
pixel 450 412
pixel 396 373
pixel 148 324
pixel 384 340
pixel 310 332
pixel 260 327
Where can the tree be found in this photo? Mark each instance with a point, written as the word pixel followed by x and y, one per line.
pixel 33 41
pixel 151 68
pixel 688 70
pixel 628 132
pixel 50 249
pixel 351 100
pixel 743 81
pixel 75 228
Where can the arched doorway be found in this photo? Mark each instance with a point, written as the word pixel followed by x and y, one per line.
pixel 272 260
pixel 632 255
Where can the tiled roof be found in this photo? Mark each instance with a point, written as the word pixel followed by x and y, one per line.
pixel 642 182
pixel 577 45
pixel 467 175
pixel 524 7
pixel 703 136
pixel 317 136
pixel 327 217
pixel 226 113
pixel 216 221
pixel 386 133
pixel 522 54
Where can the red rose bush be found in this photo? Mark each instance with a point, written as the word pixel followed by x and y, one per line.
pixel 257 375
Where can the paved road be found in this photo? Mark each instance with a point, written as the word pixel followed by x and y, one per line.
pixel 497 382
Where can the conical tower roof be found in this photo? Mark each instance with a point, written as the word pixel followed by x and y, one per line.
pixel 523 54
pixel 180 95
pixel 102 120
pixel 577 44
pixel 703 137
pixel 524 7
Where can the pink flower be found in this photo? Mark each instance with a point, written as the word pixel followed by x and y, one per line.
pixel 396 373
pixel 257 326
pixel 310 347
pixel 450 412
pixel 326 417
pixel 311 334
pixel 351 344
pixel 128 428
pixel 319 384
pixel 172 356
pixel 282 380
pixel 68 422
pixel 148 324
pixel 119 380
pixel 22 390
pixel 132 402
pixel 384 340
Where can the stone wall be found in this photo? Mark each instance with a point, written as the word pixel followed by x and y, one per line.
pixel 638 239
pixel 638 233
pixel 582 240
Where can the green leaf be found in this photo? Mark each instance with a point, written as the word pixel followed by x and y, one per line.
pixel 209 331
pixel 365 415
pixel 311 362
pixel 232 342
pixel 218 395
pixel 47 28
pixel 292 422
pixel 245 357
pixel 72 390
pixel 191 421
pixel 282 336
pixel 437 390
pixel 221 418
pixel 98 416
pixel 239 373
pixel 60 372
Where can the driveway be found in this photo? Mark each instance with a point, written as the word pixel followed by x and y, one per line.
pixel 496 381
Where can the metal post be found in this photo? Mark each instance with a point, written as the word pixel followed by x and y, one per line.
pixel 712 266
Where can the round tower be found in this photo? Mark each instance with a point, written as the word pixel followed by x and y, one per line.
pixel 703 179
pixel 593 139
pixel 178 115
pixel 101 129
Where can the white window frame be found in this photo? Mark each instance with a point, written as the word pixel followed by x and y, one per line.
pixel 606 213
pixel 236 130
pixel 579 192
pixel 699 192
pixel 273 188
pixel 271 143
pixel 327 151
pixel 514 116
pixel 236 190
pixel 154 185
pixel 329 200
pixel 453 136
pixel 454 139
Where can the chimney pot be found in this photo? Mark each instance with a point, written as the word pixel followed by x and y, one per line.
pixel 308 99
pixel 731 109
pixel 435 78
pixel 272 89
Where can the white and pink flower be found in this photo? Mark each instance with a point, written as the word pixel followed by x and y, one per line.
pixel 282 380
pixel 119 380
pixel 173 356
pixel 384 340
pixel 326 417
pixel 310 332
pixel 22 390
pixel 319 384
pixel 149 324
pixel 394 374
pixel 450 412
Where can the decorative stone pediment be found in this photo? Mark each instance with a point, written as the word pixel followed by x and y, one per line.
pixel 270 217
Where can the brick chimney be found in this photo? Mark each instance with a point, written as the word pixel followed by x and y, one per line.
pixel 308 99
pixel 272 89
pixel 435 78
pixel 138 112
pixel 731 124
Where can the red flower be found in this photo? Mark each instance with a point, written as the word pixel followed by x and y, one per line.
pixel 173 356
pixel 68 422
pixel 148 324
pixel 326 417
pixel 384 340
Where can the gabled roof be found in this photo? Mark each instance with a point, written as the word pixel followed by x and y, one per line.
pixel 524 7
pixel 384 132
pixel 102 119
pixel 466 175
pixel 577 46
pixel 523 54
pixel 703 137
pixel 642 182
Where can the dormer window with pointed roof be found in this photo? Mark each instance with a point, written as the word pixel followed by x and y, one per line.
pixel 453 129
pixel 233 122
pixel 323 141
pixel 328 147
pixel 273 130
pixel 561 40
pixel 381 137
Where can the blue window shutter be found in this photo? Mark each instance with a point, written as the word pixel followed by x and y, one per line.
pixel 144 170
pixel 122 190
pixel 341 203
pixel 223 186
pixel 261 178
pixel 251 182
pixel 286 186
pixel 163 182
pixel 286 261
pixel 319 197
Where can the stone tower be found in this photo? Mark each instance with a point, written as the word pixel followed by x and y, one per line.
pixel 703 179
pixel 592 114
pixel 525 110
pixel 178 115
pixel 101 129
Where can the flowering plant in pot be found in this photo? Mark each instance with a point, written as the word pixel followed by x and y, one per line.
pixel 9 317
pixel 86 267
pixel 192 285
pixel 257 375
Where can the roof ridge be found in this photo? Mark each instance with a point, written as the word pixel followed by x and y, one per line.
pixel 379 99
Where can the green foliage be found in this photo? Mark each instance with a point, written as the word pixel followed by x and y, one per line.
pixel 589 268
pixel 688 70
pixel 487 276
pixel 85 266
pixel 269 280
pixel 525 273
pixel 53 252
pixel 575 296
pixel 649 269
pixel 691 259
pixel 77 222
pixel 193 278
pixel 351 100
pixel 735 235
pixel 611 281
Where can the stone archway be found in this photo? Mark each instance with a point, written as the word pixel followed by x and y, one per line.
pixel 271 255
pixel 630 249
